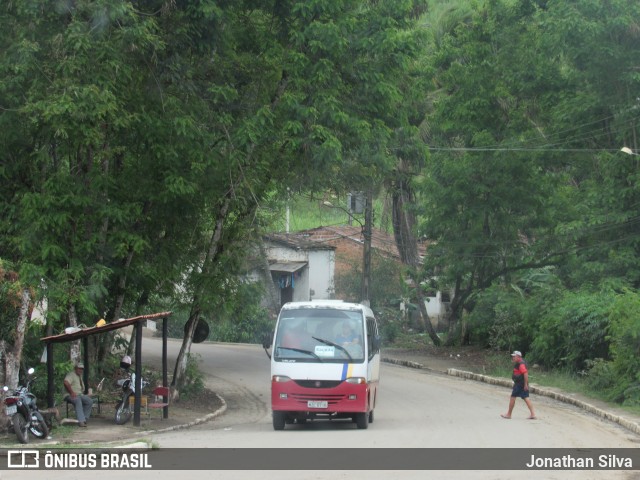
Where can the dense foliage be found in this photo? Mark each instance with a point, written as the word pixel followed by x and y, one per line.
pixel 146 144
pixel 531 203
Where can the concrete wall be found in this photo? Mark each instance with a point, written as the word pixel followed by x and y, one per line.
pixel 438 311
pixel 321 268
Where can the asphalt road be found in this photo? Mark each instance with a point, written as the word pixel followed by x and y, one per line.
pixel 416 409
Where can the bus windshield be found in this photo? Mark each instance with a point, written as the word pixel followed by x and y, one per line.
pixel 325 335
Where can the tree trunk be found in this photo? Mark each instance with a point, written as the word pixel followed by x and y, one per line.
pixel 122 285
pixel 425 315
pixel 185 349
pixel 3 362
pixel 404 223
pixel 457 313
pixel 453 315
pixel 131 346
pixel 212 253
pixel 74 354
pixel 13 354
pixel 403 229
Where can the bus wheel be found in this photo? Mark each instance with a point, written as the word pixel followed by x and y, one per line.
pixel 362 420
pixel 278 420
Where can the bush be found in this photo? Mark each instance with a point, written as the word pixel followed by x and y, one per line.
pixel 193 378
pixel 503 319
pixel 573 331
pixel 624 337
pixel 390 324
pixel 599 374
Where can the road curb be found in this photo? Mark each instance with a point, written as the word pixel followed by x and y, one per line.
pixel 403 363
pixel 561 397
pixel 197 421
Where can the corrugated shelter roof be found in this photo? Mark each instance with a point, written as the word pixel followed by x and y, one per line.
pixel 85 332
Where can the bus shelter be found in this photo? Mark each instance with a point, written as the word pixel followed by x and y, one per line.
pixel 84 334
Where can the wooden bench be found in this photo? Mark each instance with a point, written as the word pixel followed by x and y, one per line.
pixel 160 399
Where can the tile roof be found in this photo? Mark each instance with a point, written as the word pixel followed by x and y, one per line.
pixel 380 240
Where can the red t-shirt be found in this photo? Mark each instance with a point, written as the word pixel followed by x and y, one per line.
pixel 519 369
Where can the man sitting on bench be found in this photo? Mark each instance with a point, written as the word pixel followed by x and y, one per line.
pixel 74 386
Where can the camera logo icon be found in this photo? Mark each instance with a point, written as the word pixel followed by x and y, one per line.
pixel 23 459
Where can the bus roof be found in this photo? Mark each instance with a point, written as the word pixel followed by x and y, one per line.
pixel 331 304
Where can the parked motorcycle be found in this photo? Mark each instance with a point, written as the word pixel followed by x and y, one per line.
pixel 124 406
pixel 22 408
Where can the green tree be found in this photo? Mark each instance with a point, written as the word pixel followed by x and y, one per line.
pixel 624 335
pixel 488 206
pixel 142 138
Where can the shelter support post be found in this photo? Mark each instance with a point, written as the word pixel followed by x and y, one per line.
pixel 85 360
pixel 138 393
pixel 50 378
pixel 165 376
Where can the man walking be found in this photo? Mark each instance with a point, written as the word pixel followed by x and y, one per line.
pixel 520 385
pixel 74 386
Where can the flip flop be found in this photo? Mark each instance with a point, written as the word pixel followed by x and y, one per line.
pixel 532 418
pixel 505 417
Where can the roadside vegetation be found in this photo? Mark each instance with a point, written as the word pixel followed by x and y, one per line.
pixel 149 145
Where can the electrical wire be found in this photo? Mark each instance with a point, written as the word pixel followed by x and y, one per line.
pixel 528 145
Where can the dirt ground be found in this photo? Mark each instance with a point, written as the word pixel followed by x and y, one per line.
pixel 102 428
pixel 440 359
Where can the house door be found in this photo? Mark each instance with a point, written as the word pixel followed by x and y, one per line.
pixel 284 277
pixel 286 295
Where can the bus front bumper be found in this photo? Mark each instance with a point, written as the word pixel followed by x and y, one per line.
pixel 345 397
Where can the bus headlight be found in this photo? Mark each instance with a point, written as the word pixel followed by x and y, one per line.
pixel 280 379
pixel 356 380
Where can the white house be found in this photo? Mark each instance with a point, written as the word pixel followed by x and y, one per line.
pixel 300 268
pixel 438 307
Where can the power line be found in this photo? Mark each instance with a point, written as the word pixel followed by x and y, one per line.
pixel 553 142
pixel 522 149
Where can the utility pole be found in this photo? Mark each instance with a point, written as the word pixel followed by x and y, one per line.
pixel 366 260
pixel 288 210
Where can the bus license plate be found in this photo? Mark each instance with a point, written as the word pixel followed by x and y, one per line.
pixel 11 410
pixel 317 404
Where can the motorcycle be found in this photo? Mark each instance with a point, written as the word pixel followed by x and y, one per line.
pixel 124 407
pixel 22 408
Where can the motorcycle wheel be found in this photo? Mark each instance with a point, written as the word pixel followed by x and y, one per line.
pixel 38 426
pixel 123 411
pixel 20 427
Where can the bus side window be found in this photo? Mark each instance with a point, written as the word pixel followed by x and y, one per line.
pixel 372 333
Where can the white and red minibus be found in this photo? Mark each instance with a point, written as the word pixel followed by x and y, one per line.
pixel 325 363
